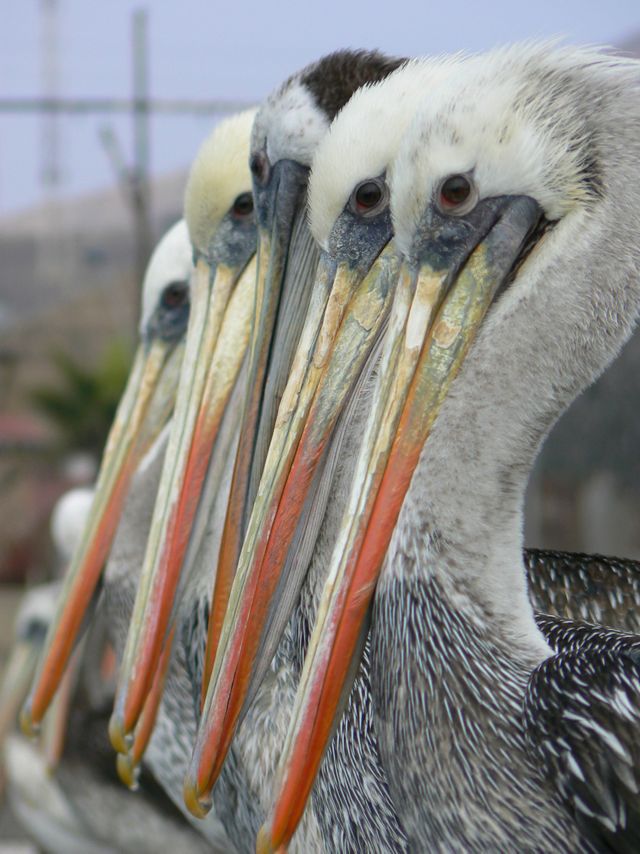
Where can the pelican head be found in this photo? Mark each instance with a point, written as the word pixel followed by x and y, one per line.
pixel 514 218
pixel 68 518
pixel 220 216
pixel 32 622
pixel 143 411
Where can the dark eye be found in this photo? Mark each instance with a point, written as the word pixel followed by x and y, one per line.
pixel 454 192
pixel 369 196
pixel 259 165
pixel 243 205
pixel 175 295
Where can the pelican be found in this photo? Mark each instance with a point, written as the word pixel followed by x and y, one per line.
pixel 516 222
pixel 64 791
pixel 144 409
pixel 220 222
pixel 220 215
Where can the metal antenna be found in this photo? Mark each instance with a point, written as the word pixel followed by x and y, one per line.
pixel 50 83
pixel 134 180
pixel 52 261
pixel 140 183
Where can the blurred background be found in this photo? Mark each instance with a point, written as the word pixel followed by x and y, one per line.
pixel 102 108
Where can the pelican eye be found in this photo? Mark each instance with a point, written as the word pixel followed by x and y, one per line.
pixel 369 197
pixel 457 194
pixel 175 295
pixel 259 165
pixel 243 205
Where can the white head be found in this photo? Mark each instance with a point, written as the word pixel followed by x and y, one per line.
pixel 290 124
pixel 219 175
pixel 68 520
pixel 296 116
pixel 170 264
pixel 35 612
pixel 515 119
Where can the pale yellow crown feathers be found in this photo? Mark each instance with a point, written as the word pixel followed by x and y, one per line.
pixel 218 175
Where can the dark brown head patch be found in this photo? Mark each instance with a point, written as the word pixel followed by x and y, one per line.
pixel 334 78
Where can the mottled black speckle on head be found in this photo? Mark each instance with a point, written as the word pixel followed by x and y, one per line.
pixel 334 78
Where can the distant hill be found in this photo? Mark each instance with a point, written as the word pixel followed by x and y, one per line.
pixel 67 280
pixel 66 285
pixel 54 251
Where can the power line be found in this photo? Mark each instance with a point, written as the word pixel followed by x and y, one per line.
pixel 38 104
pixel 134 179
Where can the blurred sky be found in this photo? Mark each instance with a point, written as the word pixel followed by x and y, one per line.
pixel 208 49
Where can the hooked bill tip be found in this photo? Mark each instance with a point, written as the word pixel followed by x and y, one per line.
pixel 121 741
pixel 264 844
pixel 197 803
pixel 29 727
pixel 128 771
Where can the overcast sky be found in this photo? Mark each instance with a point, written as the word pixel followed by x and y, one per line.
pixel 207 49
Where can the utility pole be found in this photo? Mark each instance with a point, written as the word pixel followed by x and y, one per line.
pixel 134 180
pixel 53 266
pixel 50 82
pixel 140 183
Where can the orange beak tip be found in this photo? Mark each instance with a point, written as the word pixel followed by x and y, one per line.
pixel 128 772
pixel 121 741
pixel 29 727
pixel 199 805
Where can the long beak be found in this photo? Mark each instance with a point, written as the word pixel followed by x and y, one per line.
pixel 143 411
pixel 436 316
pixel 56 722
pixel 16 680
pixel 287 260
pixel 346 315
pixel 128 765
pixel 15 683
pixel 217 339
